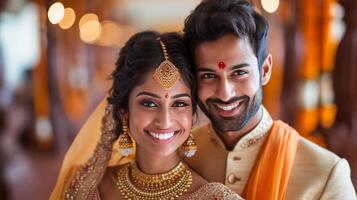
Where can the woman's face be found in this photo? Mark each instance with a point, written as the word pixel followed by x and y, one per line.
pixel 160 120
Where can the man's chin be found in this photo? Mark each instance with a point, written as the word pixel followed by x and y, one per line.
pixel 225 129
pixel 224 124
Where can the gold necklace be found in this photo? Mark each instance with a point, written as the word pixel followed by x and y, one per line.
pixel 135 185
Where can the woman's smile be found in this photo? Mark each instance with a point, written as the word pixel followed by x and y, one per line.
pixel 162 136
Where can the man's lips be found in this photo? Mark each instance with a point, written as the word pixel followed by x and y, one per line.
pixel 228 110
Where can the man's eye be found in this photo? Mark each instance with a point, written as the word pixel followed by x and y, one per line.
pixel 179 104
pixel 208 76
pixel 239 73
pixel 149 104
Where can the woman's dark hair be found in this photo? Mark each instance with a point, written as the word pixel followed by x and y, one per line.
pixel 213 19
pixel 142 54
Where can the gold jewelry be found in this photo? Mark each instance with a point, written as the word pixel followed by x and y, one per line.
pixel 134 184
pixel 189 147
pixel 126 145
pixel 167 74
pixel 108 123
pixel 89 175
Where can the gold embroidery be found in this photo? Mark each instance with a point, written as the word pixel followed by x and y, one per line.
pixel 87 178
pixel 251 138
pixel 214 191
pixel 258 132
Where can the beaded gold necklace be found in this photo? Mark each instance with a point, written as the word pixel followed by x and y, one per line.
pixel 135 185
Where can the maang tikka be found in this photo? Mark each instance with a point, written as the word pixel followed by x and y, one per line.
pixel 166 74
pixel 126 145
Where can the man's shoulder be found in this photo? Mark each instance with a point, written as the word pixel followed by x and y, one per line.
pixel 313 151
pixel 309 150
pixel 318 172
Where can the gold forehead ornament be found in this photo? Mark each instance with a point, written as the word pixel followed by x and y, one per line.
pixel 166 74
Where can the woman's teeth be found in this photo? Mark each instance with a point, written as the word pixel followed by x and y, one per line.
pixel 162 136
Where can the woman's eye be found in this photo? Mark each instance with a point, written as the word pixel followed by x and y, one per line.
pixel 149 104
pixel 208 76
pixel 180 104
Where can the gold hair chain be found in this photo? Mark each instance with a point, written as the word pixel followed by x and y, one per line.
pixel 166 74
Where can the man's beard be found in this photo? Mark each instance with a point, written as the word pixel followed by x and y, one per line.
pixel 224 124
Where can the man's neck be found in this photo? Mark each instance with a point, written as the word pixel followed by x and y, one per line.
pixel 231 138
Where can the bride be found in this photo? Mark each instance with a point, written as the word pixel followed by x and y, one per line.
pixel 145 131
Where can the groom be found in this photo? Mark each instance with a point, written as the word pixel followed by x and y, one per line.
pixel 242 146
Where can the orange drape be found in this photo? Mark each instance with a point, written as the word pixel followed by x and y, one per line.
pixel 270 175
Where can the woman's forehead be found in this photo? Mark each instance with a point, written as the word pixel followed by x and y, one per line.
pixel 150 85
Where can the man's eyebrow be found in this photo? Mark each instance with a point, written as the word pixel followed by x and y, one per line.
pixel 240 66
pixel 180 95
pixel 204 69
pixel 149 94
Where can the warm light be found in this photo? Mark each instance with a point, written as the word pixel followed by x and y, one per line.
pixel 87 17
pixel 126 32
pixel 270 5
pixel 90 31
pixel 68 18
pixel 56 13
pixel 110 33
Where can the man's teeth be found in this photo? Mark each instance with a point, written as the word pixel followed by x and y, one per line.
pixel 226 108
pixel 162 136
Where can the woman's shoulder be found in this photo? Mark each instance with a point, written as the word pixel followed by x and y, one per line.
pixel 107 188
pixel 216 191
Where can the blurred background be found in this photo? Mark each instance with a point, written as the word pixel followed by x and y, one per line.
pixel 56 57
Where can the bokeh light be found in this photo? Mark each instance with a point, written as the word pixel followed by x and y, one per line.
pixel 68 19
pixel 55 13
pixel 110 33
pixel 270 5
pixel 87 17
pixel 90 31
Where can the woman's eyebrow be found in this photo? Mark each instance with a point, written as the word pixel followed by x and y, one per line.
pixel 149 94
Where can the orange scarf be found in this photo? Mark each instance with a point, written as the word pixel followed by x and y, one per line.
pixel 270 175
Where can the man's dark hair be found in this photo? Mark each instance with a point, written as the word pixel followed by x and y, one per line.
pixel 213 19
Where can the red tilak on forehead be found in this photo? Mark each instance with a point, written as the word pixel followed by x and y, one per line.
pixel 166 95
pixel 221 65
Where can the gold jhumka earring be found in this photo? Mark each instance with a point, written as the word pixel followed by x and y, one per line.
pixel 189 147
pixel 126 145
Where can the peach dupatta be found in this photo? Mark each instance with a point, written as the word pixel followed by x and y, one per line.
pixel 270 175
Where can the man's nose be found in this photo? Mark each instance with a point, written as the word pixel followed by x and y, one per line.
pixel 226 90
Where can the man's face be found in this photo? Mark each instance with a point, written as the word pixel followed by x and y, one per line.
pixel 229 82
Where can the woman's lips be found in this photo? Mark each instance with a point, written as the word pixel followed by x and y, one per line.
pixel 161 136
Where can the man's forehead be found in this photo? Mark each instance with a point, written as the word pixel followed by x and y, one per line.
pixel 228 40
pixel 228 49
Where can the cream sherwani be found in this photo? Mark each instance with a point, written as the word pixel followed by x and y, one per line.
pixel 316 173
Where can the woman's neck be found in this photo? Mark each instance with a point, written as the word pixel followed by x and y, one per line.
pixel 156 164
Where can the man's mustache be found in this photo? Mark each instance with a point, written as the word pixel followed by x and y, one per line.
pixel 230 101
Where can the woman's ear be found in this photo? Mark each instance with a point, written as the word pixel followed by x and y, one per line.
pixel 266 69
